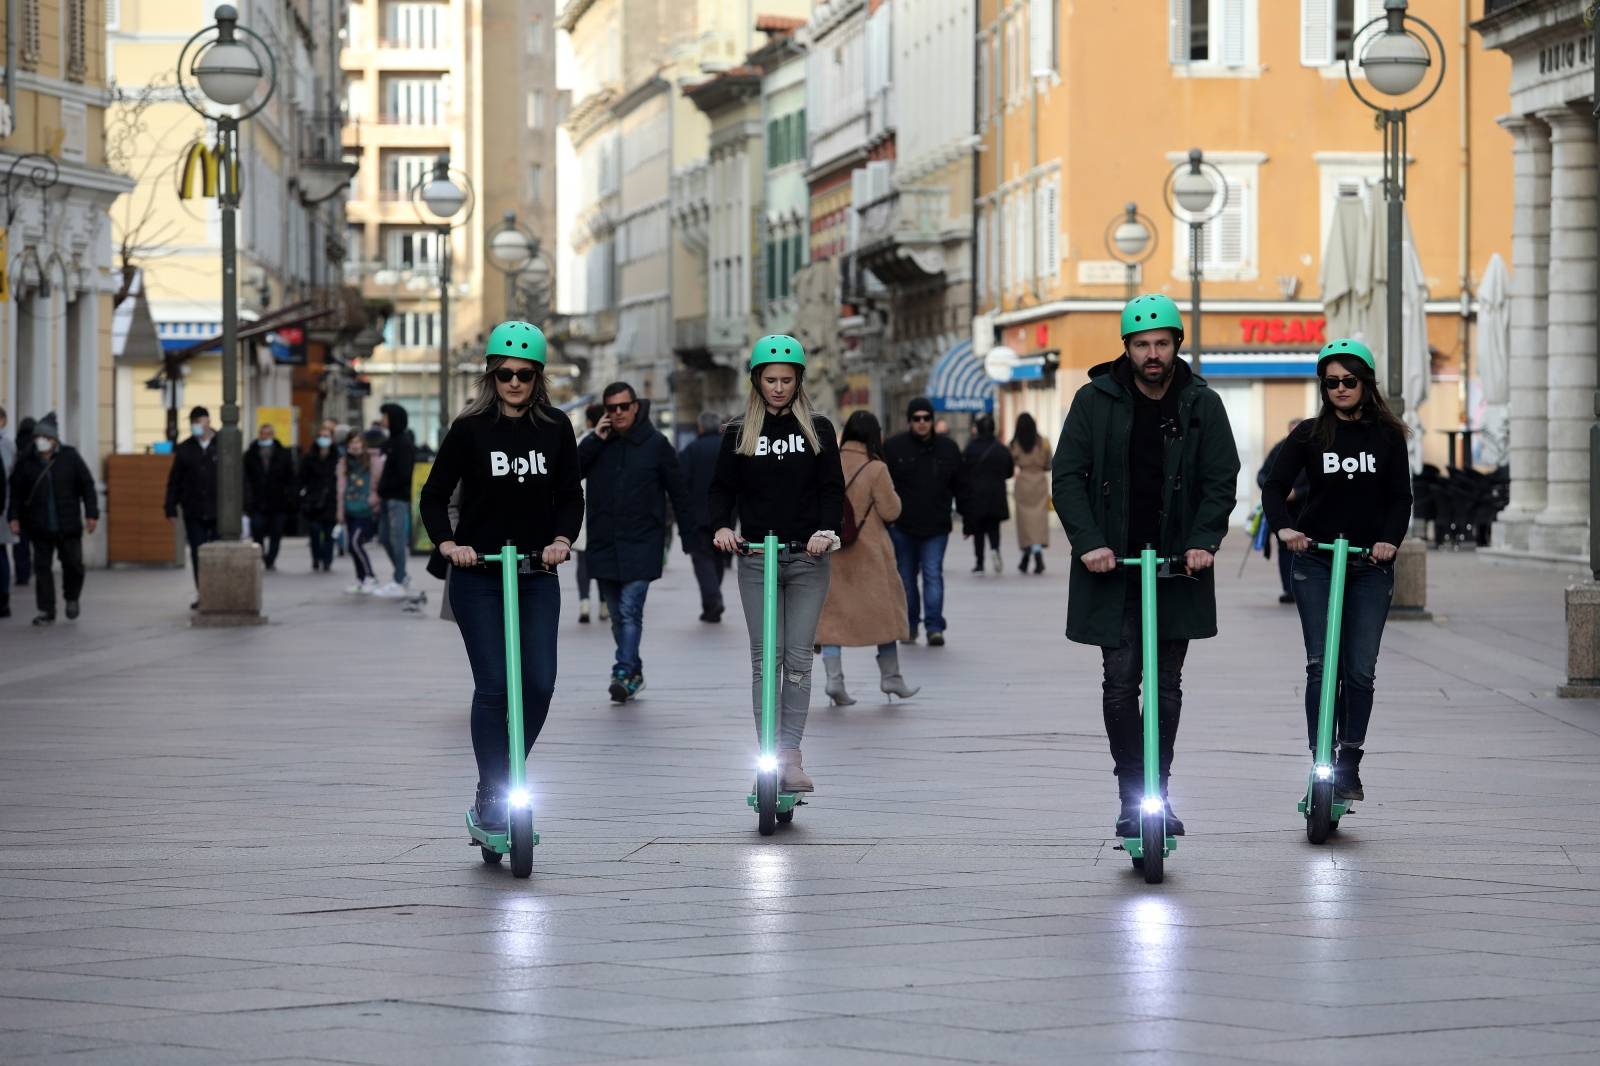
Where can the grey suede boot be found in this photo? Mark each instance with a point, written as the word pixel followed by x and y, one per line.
pixel 792 775
pixel 890 680
pixel 834 665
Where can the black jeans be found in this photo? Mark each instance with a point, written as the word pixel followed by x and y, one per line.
pixel 22 559
pixel 1368 588
pixel 321 533
pixel 1124 667
pixel 709 567
pixel 986 530
pixel 266 529
pixel 45 550
pixel 198 531
pixel 480 615
pixel 583 574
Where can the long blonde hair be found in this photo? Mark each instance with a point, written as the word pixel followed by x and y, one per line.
pixel 755 412
pixel 486 398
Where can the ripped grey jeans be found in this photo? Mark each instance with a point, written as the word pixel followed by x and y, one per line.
pixel 802 588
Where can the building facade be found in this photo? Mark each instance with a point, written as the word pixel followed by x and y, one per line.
pixel 1552 299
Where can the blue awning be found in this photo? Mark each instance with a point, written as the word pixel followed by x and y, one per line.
pixel 1259 364
pixel 959 382
pixel 176 336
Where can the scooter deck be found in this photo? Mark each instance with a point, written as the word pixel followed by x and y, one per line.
pixel 1134 846
pixel 787 801
pixel 483 838
pixel 1340 808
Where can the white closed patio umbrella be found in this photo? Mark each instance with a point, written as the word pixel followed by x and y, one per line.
pixel 1341 267
pixel 1494 362
pixel 1416 366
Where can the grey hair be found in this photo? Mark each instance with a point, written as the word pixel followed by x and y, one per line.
pixel 710 421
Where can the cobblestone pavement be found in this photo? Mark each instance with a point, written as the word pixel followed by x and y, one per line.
pixel 245 846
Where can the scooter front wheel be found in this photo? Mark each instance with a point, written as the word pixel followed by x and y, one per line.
pixel 521 843
pixel 1152 829
pixel 1319 812
pixel 767 803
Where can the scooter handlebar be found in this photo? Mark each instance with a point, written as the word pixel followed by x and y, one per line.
pixel 1352 549
pixel 756 547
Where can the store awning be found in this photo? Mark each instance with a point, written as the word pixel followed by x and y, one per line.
pixel 294 316
pixel 958 382
pixel 1265 364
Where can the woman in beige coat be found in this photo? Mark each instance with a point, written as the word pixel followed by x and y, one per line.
pixel 866 605
pixel 1030 453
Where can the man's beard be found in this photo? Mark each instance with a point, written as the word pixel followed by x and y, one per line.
pixel 1167 370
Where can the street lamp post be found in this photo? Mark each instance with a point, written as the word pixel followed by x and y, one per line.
pixel 1191 195
pixel 229 63
pixel 512 250
pixel 1130 239
pixel 444 199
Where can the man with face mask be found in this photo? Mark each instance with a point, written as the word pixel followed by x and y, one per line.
pixel 269 491
pixel 47 488
pixel 1146 459
pixel 192 485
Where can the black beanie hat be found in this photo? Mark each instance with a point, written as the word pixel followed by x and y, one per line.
pixel 921 403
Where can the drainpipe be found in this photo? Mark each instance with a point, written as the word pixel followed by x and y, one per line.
pixel 11 58
pixel 1033 183
pixel 999 163
pixel 977 156
pixel 1465 228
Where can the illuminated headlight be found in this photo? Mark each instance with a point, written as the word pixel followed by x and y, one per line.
pixel 1324 773
pixel 767 764
pixel 1152 805
pixel 520 798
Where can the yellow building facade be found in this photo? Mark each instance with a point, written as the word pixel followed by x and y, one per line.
pixel 1086 107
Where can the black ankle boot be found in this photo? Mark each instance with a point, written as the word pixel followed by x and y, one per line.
pixel 1038 562
pixel 1174 823
pixel 490 809
pixel 1347 775
pixel 1130 792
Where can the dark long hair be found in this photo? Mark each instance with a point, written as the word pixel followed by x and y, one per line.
pixel 983 427
pixel 1026 434
pixel 863 426
pixel 1373 408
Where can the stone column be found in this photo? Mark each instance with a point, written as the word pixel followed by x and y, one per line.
pixel 1530 267
pixel 1562 528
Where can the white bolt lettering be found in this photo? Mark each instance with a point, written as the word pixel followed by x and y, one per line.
pixel 499 464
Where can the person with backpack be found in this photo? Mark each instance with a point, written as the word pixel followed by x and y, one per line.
pixel 988 467
pixel 357 490
pixel 394 489
pixel 866 605
pixel 53 497
pixel 319 498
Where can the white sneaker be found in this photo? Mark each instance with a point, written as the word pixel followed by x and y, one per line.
pixel 368 586
pixel 392 591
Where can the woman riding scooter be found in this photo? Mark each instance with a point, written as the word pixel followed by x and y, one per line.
pixel 779 469
pixel 1354 455
pixel 516 461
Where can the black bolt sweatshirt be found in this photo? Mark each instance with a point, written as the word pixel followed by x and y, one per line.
pixel 784 488
pixel 1360 485
pixel 519 482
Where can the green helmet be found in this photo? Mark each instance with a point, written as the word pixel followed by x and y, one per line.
pixel 516 340
pixel 778 348
pixel 1152 311
pixel 1345 346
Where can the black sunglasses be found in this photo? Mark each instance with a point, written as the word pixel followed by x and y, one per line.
pixel 504 376
pixel 1348 381
pixel 922 418
pixel 613 408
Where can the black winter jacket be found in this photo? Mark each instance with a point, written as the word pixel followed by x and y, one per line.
pixel 319 485
pixel 61 478
pixel 192 481
pixel 629 479
pixel 928 477
pixel 987 466
pixel 400 456
pixel 269 480
pixel 699 462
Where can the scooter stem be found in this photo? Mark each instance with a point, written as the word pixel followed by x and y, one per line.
pixel 513 618
pixel 769 645
pixel 1149 690
pixel 1330 652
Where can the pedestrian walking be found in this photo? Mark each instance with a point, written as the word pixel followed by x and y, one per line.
pixel 580 547
pixel 1030 454
pixel 987 467
pixel 631 471
pixel 394 490
pixel 319 497
pixel 866 604
pixel 269 491
pixel 8 460
pixel 514 458
pixel 21 550
pixel 53 498
pixel 1294 503
pixel 192 487
pixel 699 461
pixel 1354 458
pixel 359 504
pixel 779 471
pixel 1146 458
pixel 927 471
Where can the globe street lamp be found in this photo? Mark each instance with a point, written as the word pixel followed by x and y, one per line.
pixel 1131 240
pixel 512 250
pixel 221 70
pixel 1191 193
pixel 444 194
pixel 1395 63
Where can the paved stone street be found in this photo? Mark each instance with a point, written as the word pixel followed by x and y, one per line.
pixel 246 846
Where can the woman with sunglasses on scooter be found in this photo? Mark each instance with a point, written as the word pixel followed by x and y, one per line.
pixel 1354 455
pixel 779 470
pixel 516 460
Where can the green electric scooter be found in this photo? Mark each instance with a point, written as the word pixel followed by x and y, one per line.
pixel 772 807
pixel 1320 804
pixel 1151 847
pixel 519 838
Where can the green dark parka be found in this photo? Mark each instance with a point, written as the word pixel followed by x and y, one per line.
pixel 1090 477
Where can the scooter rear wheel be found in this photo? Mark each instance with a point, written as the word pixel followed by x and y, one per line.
pixel 1152 828
pixel 1319 812
pixel 767 803
pixel 491 857
pixel 521 843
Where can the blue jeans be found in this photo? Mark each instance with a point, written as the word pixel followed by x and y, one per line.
pixel 625 601
pixel 1368 588
pixel 321 532
pixel 924 554
pixel 395 532
pixel 480 615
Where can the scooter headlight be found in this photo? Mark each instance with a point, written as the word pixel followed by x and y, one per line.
pixel 767 764
pixel 1153 805
pixel 1324 773
pixel 520 798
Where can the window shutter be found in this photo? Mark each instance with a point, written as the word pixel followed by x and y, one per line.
pixel 1052 232
pixel 1041 36
pixel 1027 243
pixel 983 255
pixel 1225 242
pixel 113 14
pixel 1178 31
pixel 1316 32
pixel 1234 32
pixel 1041 226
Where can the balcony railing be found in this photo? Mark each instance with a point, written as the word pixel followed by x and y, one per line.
pixel 905 216
pixel 441 43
